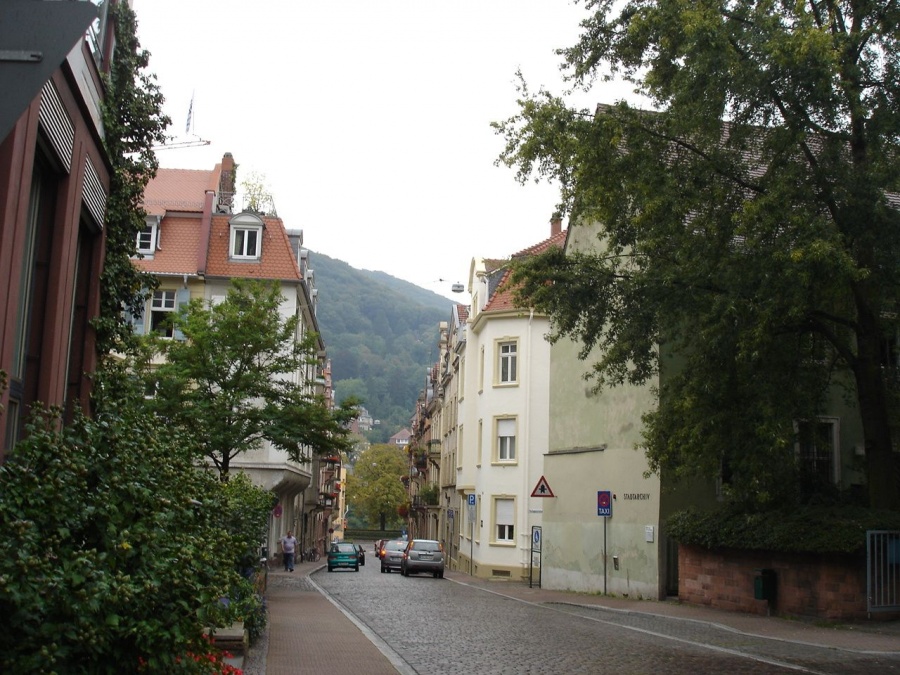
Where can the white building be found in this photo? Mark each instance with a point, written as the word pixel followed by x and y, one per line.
pixel 503 423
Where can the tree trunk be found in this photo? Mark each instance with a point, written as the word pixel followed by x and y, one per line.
pixel 881 465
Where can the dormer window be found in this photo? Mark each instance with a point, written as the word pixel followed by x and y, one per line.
pixel 148 237
pixel 246 237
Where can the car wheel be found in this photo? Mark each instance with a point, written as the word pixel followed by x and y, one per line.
pixel 382 569
pixel 331 569
pixel 441 574
pixel 356 569
pixel 435 575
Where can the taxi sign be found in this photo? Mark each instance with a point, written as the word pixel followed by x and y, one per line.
pixel 604 503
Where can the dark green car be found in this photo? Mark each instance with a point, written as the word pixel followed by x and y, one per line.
pixel 343 555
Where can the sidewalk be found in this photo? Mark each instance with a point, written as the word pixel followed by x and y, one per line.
pixel 307 633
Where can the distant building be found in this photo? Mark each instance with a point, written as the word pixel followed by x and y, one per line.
pixel 401 438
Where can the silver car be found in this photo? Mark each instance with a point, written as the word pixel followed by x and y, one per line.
pixel 423 555
pixel 392 554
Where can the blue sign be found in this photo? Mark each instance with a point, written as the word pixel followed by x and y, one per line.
pixel 604 503
pixel 471 499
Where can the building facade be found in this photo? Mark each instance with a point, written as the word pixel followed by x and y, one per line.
pixel 196 243
pixel 54 184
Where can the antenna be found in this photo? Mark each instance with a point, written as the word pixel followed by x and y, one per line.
pixel 176 142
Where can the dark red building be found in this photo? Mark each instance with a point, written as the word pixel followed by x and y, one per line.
pixel 54 182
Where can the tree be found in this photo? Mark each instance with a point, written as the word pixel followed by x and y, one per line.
pixel 748 225
pixel 236 380
pixel 133 122
pixel 375 489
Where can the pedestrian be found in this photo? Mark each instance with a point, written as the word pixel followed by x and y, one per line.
pixel 288 549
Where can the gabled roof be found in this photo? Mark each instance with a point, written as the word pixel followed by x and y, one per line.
pixel 502 299
pixel 179 190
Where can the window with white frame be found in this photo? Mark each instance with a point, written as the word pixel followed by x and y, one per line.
pixel 818 451
pixel 506 439
pixel 505 520
pixel 162 313
pixel 147 237
pixel 507 361
pixel 245 242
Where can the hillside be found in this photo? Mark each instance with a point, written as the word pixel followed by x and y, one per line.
pixel 381 334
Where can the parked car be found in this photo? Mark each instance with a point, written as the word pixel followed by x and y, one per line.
pixel 362 554
pixel 392 554
pixel 344 555
pixel 423 555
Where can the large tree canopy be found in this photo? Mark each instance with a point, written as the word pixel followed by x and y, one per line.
pixel 238 379
pixel 374 488
pixel 748 224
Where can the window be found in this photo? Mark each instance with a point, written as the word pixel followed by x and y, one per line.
pixel 245 242
pixel 147 238
pixel 506 362
pixel 506 440
pixel 161 314
pixel 504 520
pixel 817 449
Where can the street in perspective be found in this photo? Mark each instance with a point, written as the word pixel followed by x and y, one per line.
pixel 460 624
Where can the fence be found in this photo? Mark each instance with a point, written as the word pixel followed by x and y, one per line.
pixel 883 570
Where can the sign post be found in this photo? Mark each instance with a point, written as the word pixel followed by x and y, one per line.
pixel 604 510
pixel 535 555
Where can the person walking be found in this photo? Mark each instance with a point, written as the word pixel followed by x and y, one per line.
pixel 288 550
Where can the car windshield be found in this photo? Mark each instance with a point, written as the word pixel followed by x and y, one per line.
pixel 426 546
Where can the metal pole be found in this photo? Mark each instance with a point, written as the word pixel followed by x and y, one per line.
pixel 604 556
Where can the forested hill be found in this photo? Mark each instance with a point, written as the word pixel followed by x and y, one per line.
pixel 381 334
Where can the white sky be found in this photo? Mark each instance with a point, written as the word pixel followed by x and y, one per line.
pixel 369 120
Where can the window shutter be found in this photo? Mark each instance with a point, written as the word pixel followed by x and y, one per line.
pixel 183 297
pixel 506 427
pixel 505 513
pixel 137 322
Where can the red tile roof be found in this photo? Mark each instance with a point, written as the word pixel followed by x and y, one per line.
pixel 502 299
pixel 179 242
pixel 276 261
pixel 179 190
pixel 184 191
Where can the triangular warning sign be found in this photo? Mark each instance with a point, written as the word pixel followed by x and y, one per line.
pixel 542 489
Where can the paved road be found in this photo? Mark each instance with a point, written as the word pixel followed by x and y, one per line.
pixel 442 626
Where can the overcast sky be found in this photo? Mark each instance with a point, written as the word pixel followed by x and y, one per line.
pixel 369 120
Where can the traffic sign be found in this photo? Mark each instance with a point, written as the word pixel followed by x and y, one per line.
pixel 542 489
pixel 604 503
pixel 470 499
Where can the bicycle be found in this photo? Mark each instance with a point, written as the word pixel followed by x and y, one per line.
pixel 311 555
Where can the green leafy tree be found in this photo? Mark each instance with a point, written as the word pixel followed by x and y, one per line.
pixel 747 226
pixel 374 488
pixel 232 382
pixel 133 123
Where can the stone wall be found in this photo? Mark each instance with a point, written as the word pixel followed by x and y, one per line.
pixel 822 586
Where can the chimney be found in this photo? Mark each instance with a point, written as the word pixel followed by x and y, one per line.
pixel 555 224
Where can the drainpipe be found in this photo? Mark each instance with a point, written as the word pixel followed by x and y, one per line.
pixel 205 229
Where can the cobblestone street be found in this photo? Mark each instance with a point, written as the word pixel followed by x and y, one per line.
pixel 453 626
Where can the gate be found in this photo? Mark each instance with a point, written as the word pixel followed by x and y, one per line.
pixel 883 570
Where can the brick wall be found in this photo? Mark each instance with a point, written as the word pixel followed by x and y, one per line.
pixel 823 586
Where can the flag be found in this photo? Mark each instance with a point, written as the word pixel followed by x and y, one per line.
pixel 187 128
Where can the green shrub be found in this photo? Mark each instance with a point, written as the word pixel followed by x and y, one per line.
pixel 807 529
pixel 117 550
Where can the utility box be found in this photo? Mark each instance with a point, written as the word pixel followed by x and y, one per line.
pixel 764 585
